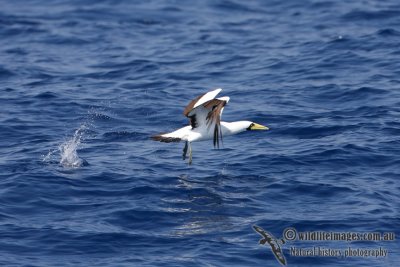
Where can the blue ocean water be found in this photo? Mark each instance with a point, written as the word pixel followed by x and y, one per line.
pixel 84 84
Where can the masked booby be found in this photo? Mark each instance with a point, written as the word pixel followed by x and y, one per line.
pixel 204 113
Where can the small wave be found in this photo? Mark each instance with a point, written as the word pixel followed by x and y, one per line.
pixel 388 32
pixel 17 51
pixel 370 15
pixel 5 73
pixel 46 95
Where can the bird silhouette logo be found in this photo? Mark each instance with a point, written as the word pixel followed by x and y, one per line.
pixel 274 243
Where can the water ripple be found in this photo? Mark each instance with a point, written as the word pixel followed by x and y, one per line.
pixel 85 83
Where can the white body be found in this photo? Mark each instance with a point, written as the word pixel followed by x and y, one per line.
pixel 207 133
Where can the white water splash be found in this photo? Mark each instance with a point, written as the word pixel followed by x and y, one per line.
pixel 49 157
pixel 68 149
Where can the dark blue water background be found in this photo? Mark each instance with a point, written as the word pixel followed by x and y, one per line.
pixel 84 84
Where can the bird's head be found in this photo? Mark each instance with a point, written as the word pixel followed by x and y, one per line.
pixel 241 126
pixel 255 126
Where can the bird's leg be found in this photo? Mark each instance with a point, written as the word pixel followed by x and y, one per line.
pixel 185 149
pixel 190 153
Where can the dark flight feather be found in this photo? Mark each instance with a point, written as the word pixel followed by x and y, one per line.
pixel 164 139
pixel 273 242
pixel 215 107
pixel 190 106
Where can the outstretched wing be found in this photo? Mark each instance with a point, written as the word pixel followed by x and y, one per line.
pixel 201 100
pixel 276 249
pixel 262 232
pixel 205 111
pixel 273 242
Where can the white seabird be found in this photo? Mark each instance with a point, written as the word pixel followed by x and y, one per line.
pixel 204 113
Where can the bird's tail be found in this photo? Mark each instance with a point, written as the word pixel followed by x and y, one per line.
pixel 165 139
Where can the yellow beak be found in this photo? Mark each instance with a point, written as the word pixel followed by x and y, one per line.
pixel 256 126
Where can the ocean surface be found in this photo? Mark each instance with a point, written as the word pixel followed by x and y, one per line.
pixel 84 84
